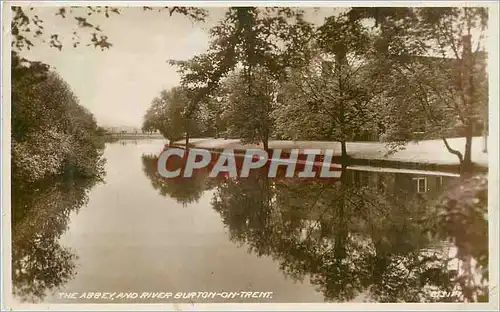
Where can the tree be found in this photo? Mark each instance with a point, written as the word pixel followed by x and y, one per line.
pixel 40 147
pixel 247 37
pixel 337 87
pixel 213 109
pixel 168 114
pixel 249 116
pixel 434 71
pixel 452 29
pixel 255 40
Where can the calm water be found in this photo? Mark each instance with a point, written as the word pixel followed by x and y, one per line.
pixel 304 241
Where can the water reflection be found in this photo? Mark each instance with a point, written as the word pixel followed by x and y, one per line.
pixel 382 236
pixel 346 239
pixel 40 215
pixel 184 191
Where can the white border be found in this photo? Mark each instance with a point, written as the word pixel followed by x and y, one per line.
pixel 294 3
pixel 493 151
pixel 493 55
pixel 6 274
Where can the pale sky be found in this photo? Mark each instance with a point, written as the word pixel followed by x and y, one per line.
pixel 118 85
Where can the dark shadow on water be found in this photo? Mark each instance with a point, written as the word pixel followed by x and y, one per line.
pixel 40 216
pixel 380 235
pixel 184 191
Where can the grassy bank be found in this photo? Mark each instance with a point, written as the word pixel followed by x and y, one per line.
pixel 424 155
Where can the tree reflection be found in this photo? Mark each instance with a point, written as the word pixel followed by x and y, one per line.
pixel 462 218
pixel 349 239
pixel 246 209
pixel 375 238
pixel 39 218
pixel 183 190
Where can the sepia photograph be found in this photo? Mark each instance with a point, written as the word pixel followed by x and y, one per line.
pixel 217 155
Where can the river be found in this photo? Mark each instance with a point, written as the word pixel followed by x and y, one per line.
pixel 139 233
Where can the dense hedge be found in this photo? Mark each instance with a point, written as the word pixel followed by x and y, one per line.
pixel 52 134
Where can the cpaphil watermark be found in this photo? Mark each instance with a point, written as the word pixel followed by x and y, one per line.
pixel 307 163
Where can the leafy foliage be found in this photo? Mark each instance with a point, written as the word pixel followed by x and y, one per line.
pixel 40 147
pixel 249 113
pixel 260 42
pixel 435 71
pixel 331 102
pixel 337 93
pixel 247 37
pixel 170 114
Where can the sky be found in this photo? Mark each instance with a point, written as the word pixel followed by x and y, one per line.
pixel 118 85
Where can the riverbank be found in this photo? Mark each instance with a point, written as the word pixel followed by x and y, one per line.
pixel 423 155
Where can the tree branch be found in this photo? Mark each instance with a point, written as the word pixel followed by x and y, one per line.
pixel 453 151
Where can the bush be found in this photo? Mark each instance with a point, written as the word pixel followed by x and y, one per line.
pixel 52 134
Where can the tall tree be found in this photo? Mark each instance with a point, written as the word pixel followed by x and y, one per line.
pixel 251 39
pixel 338 87
pixel 249 116
pixel 435 66
pixel 169 114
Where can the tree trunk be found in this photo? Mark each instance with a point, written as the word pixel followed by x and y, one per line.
pixel 341 235
pixel 467 163
pixel 343 156
pixel 265 143
pixel 468 89
pixel 340 61
pixel 341 230
pixel 381 261
pixel 187 139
